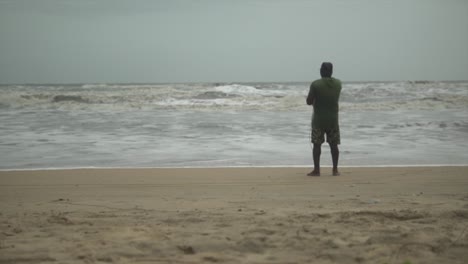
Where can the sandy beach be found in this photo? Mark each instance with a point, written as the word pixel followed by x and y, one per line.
pixel 235 215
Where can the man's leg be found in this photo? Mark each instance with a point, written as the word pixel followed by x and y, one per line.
pixel 335 152
pixel 316 155
pixel 318 137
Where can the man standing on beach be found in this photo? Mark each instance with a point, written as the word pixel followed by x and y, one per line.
pixel 324 94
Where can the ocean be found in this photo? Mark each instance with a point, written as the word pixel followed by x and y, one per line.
pixel 227 124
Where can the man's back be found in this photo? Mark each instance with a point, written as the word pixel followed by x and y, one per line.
pixel 326 94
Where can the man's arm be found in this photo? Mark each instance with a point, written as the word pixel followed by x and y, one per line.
pixel 310 97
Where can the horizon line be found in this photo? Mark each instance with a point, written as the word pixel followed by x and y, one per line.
pixel 224 82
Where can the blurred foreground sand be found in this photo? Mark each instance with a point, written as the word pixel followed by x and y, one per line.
pixel 234 215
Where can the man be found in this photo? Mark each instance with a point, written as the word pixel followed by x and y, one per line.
pixel 324 94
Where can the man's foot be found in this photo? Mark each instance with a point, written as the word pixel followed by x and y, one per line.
pixel 314 173
pixel 336 173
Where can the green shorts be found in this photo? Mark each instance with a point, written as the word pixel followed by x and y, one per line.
pixel 333 136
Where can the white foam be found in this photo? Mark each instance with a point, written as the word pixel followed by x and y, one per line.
pixel 237 89
pixel 243 90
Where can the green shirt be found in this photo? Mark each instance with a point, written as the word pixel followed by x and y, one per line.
pixel 324 94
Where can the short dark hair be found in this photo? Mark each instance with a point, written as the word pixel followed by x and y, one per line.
pixel 327 69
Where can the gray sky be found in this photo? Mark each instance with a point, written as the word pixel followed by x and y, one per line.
pixel 88 41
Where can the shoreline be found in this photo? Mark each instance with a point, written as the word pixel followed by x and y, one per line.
pixel 232 167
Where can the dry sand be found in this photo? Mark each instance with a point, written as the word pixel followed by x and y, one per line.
pixel 235 215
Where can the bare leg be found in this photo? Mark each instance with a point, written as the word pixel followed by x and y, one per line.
pixel 316 154
pixel 335 152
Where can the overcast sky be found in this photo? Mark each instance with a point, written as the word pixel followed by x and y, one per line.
pixel 89 41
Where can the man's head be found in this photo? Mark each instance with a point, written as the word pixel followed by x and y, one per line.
pixel 327 69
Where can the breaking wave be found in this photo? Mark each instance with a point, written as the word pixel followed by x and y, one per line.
pixel 263 96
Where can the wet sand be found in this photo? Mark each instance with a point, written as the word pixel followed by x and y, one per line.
pixel 234 215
